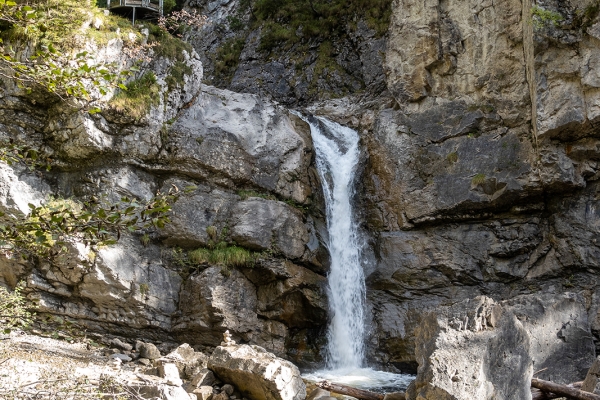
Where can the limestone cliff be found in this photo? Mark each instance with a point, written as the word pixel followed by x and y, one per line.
pixel 481 165
pixel 479 177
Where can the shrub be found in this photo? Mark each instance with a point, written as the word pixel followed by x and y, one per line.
pixel 291 20
pixel 167 45
pixel 223 255
pixel 452 157
pixel 227 57
pixel 543 18
pixel 13 309
pixel 139 96
pixel 177 73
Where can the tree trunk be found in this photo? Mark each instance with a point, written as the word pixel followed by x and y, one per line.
pixel 562 390
pixel 350 391
pixel 537 394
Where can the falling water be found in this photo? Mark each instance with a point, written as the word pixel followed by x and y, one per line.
pixel 337 158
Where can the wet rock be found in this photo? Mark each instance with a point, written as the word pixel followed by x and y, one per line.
pixel 318 393
pixel 257 373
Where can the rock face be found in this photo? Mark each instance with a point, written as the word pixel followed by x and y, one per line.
pixel 230 150
pixel 257 373
pixel 479 176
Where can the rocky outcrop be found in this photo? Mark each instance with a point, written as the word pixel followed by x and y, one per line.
pixel 257 373
pixel 227 149
pixel 481 349
pixel 347 60
pixel 474 350
pixel 467 189
pixel 263 225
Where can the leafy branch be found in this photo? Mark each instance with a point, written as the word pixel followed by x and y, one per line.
pixel 48 230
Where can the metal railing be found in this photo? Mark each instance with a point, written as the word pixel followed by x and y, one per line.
pixel 156 5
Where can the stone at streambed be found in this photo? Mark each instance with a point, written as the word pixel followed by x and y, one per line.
pixel 257 373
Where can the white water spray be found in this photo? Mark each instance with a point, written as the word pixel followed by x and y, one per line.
pixel 337 157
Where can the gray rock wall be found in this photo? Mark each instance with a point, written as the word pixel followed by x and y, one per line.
pixel 247 163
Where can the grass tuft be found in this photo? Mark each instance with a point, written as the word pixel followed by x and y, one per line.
pixel 223 255
pixel 141 94
pixel 478 179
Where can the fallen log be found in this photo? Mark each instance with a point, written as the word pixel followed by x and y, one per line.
pixel 563 390
pixel 360 394
pixel 537 394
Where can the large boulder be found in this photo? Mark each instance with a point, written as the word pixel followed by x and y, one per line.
pixel 473 350
pixel 481 349
pixel 257 373
pixel 265 224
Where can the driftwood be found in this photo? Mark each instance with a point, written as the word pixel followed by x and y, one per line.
pixel 537 394
pixel 563 390
pixel 350 391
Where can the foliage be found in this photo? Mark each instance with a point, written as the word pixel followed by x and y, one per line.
pixel 224 255
pixel 137 97
pixel 12 153
pixel 168 6
pixel 452 157
pixel 289 21
pixel 543 18
pixel 587 17
pixel 14 309
pixel 478 179
pixel 177 73
pixel 179 21
pixel 50 229
pixel 227 57
pixel 166 45
pixel 50 28
pixel 144 289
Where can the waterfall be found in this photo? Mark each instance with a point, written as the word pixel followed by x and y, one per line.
pixel 337 156
pixel 337 153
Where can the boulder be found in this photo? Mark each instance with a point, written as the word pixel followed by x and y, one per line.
pixel 148 350
pixel 122 357
pixel 203 392
pixel 120 345
pixel 188 361
pixel 203 378
pixel 257 374
pixel 463 357
pixel 169 372
pixel 262 224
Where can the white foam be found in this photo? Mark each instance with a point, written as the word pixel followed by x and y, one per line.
pixel 362 378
